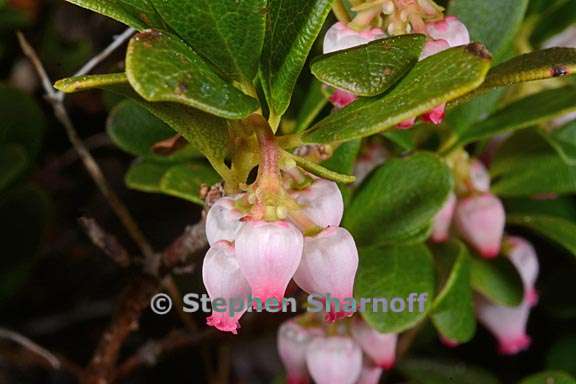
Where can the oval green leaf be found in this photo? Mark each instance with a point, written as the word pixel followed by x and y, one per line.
pixel 453 310
pixel 161 67
pixel 399 200
pixel 370 69
pixel 395 272
pixel 424 371
pixel 549 377
pixel 563 139
pixel 497 280
pixel 229 34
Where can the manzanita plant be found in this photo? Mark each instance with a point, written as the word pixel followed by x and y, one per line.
pixel 383 175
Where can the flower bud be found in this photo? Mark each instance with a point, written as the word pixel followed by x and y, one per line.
pixel 380 347
pixel 480 220
pixel 293 340
pixel 443 220
pixel 406 124
pixel 335 359
pixel 507 324
pixel 322 202
pixel 450 29
pixel 223 220
pixel 269 253
pixel 522 254
pixel 224 280
pixel 328 267
pixel 479 176
pixel 341 98
pixel 340 37
pixel 433 47
pixel 435 115
pixel 370 373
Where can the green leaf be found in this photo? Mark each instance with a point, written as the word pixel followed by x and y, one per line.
pixel 135 130
pixel 561 355
pixel 291 29
pixel 549 377
pixel 138 14
pixel 526 112
pixel 161 67
pixel 208 133
pixel 13 162
pixel 399 200
pixel 395 272
pixel 564 207
pixel 497 280
pixel 314 103
pixel 433 81
pixel 230 34
pixel 84 83
pixel 527 165
pixel 559 230
pixel 453 309
pixel 563 139
pixel 370 69
pixel 25 213
pixel 321 171
pixel 21 121
pixel 494 23
pixel 186 180
pixel 180 180
pixel 539 65
pixel 424 371
pixel 146 175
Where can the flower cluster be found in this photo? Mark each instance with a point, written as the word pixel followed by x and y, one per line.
pixel 350 353
pixel 479 217
pixel 257 252
pixel 446 33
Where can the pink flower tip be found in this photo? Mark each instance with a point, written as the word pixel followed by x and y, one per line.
pixel 341 99
pixel 436 115
pixel 297 380
pixel 387 364
pixel 515 345
pixel 406 124
pixel 448 342
pixel 490 253
pixel 532 297
pixel 223 324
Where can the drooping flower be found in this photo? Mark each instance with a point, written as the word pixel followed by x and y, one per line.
pixel 269 254
pixel 435 115
pixel 479 176
pixel 224 280
pixel 322 202
pixel 328 267
pixel 334 359
pixel 293 341
pixel 223 220
pixel 380 347
pixel 480 220
pixel 522 254
pixel 340 37
pixel 450 29
pixel 443 220
pixel 370 373
pixel 341 98
pixel 507 324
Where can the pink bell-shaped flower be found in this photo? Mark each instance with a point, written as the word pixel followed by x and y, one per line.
pixel 479 176
pixel 269 254
pixel 322 202
pixel 443 220
pixel 450 29
pixel 522 254
pixel 340 37
pixel 223 220
pixel 380 347
pixel 335 359
pixel 507 324
pixel 480 220
pixel 435 115
pixel 224 280
pixel 370 373
pixel 341 98
pixel 293 341
pixel 328 267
